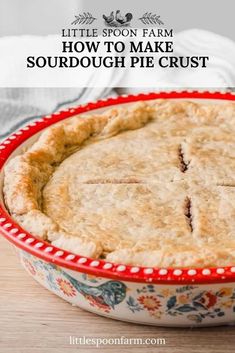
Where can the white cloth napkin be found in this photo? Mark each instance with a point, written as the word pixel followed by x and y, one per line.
pixel 219 74
pixel 18 106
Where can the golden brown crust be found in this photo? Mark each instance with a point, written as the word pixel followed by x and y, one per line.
pixel 146 185
pixel 119 215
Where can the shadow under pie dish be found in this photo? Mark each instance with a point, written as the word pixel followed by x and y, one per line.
pixel 139 187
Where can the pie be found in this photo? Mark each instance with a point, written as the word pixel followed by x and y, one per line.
pixel 148 184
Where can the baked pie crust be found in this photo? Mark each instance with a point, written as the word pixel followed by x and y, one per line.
pixel 149 184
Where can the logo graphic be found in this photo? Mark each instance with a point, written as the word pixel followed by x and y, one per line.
pixel 117 19
pixel 86 18
pixel 151 19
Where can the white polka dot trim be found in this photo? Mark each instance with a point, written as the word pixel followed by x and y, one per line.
pixel 177 272
pixel 21 236
pixel 48 249
pixel 29 240
pixel 121 268
pixel 2 220
pixel 135 269
pixel 220 271
pixel 13 230
pixel 148 271
pixel 7 225
pixel 163 272
pixel 70 257
pixel 192 272
pixel 206 272
pixel 38 245
pixel 94 263
pixel 59 253
pixel 233 269
pixel 82 260
pixel 107 266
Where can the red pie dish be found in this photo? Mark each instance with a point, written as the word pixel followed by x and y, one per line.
pixel 137 289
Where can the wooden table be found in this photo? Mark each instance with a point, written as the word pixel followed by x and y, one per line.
pixel 33 320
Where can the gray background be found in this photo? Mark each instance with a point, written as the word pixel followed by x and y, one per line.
pixel 49 16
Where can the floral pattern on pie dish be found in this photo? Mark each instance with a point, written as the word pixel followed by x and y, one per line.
pixel 188 304
pixel 156 296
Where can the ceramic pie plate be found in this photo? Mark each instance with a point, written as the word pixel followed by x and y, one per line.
pixel 154 296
